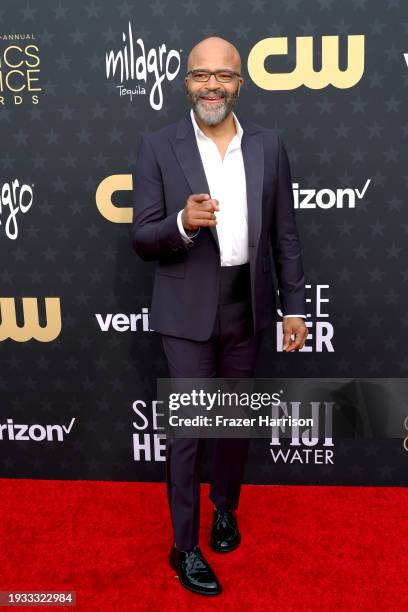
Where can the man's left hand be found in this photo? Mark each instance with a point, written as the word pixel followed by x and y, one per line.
pixel 297 327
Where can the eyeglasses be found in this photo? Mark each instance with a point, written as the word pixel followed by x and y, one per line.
pixel 222 76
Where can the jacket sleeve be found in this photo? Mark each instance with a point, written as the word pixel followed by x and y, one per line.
pixel 286 249
pixel 154 235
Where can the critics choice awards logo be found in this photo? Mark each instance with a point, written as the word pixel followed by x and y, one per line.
pixel 19 69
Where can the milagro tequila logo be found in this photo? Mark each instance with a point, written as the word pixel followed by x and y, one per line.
pixel 14 199
pixel 133 63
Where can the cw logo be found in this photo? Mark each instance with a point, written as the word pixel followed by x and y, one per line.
pixel 104 193
pixel 31 328
pixel 303 73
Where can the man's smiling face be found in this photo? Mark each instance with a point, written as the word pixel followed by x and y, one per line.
pixel 213 101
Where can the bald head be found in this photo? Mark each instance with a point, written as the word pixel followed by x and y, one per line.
pixel 214 53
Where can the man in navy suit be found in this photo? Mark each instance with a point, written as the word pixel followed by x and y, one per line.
pixel 213 205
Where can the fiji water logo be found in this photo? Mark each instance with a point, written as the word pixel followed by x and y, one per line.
pixel 306 445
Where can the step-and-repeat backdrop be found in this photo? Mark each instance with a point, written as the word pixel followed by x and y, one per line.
pixel 79 84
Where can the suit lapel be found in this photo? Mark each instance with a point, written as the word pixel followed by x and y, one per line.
pixel 253 155
pixel 187 152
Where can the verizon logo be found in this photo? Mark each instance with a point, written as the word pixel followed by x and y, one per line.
pixel 37 433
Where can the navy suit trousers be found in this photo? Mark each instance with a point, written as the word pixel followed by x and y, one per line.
pixel 230 352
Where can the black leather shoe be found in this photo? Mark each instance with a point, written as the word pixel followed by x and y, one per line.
pixel 225 535
pixel 193 571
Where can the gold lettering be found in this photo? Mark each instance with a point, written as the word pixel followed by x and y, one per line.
pixel 103 196
pixel 31 328
pixel 303 73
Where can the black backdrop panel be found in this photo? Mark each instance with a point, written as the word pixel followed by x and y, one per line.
pixel 80 348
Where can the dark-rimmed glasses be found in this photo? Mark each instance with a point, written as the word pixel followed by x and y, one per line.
pixel 222 76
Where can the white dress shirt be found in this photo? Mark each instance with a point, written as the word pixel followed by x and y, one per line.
pixel 226 180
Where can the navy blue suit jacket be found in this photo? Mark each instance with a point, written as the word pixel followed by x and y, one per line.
pixel 167 171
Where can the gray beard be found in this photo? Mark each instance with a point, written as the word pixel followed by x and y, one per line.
pixel 213 116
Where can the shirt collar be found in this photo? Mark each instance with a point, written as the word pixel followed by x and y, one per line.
pixel 199 131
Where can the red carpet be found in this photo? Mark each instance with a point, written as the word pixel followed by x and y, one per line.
pixel 304 548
